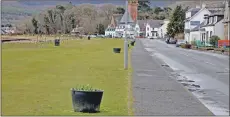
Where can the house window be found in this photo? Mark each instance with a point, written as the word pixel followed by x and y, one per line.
pixel 210 20
pixel 210 33
pixel 215 20
pixel 207 37
pixel 148 29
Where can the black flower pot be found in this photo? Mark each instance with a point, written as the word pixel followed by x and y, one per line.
pixel 86 101
pixel 116 50
pixel 57 42
pixel 132 43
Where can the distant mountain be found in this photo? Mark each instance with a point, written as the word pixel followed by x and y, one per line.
pixel 194 3
pixel 14 11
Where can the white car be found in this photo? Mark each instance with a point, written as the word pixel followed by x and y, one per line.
pixel 150 37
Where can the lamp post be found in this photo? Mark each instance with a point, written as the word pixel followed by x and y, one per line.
pixel 125 40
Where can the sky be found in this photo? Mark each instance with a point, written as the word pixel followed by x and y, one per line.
pixel 116 2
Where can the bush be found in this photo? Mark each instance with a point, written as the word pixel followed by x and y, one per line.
pixel 193 42
pixel 214 40
pixel 187 46
pixel 182 45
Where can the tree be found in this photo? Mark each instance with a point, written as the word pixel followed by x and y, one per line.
pixel 214 40
pixel 167 10
pixel 144 5
pixel 176 23
pixel 46 24
pixel 157 10
pixel 61 9
pixel 100 29
pixel 120 10
pixel 35 25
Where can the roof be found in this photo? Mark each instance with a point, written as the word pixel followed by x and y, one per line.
pixel 221 13
pixel 213 24
pixel 3 32
pixel 110 29
pixel 141 24
pixel 124 18
pixel 194 11
pixel 155 23
pixel 78 29
pixel 117 18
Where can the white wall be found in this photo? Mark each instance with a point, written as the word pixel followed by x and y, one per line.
pixel 163 29
pixel 107 33
pixel 137 28
pixel 186 26
pixel 188 14
pixel 195 35
pixel 218 29
pixel 148 32
pixel 209 29
pixel 199 16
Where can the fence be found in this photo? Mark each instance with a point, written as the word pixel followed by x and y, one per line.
pixel 222 43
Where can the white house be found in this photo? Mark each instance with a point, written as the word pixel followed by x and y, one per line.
pixel 152 27
pixel 9 30
pixel 213 25
pixel 110 31
pixel 194 17
pixel 163 29
pixel 117 27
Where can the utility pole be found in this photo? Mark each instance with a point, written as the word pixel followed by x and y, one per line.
pixel 125 40
pixel 228 19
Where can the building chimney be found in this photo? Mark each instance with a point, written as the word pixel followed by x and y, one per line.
pixel 203 5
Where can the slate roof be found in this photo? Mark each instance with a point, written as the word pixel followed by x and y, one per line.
pixel 155 23
pixel 152 23
pixel 142 24
pixel 124 17
pixel 220 17
pixel 194 11
pixel 117 18
pixel 3 32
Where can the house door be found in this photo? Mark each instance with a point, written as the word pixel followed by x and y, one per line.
pixel 207 37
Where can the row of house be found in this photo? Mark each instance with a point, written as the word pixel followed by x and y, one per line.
pixel 140 28
pixel 135 28
pixel 203 22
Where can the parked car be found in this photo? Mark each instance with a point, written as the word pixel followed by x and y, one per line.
pixel 150 37
pixel 180 42
pixel 171 41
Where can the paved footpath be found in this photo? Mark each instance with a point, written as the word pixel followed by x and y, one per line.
pixel 155 90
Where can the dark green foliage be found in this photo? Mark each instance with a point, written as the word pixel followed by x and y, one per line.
pixel 120 10
pixel 35 25
pixel 100 29
pixel 214 39
pixel 157 10
pixel 144 5
pixel 176 24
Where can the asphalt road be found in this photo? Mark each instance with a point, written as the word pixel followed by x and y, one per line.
pixel 156 91
pixel 206 75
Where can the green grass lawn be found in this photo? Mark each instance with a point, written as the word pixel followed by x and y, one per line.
pixel 36 79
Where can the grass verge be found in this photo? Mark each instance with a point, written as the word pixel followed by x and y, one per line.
pixel 36 78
